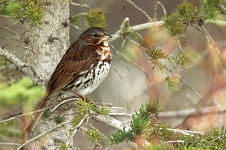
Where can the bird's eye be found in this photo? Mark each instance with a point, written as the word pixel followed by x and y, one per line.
pixel 95 35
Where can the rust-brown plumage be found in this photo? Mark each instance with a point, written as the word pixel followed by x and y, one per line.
pixel 80 68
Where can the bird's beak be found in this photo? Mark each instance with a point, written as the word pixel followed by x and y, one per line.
pixel 106 37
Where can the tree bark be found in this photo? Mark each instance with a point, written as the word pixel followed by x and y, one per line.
pixel 48 43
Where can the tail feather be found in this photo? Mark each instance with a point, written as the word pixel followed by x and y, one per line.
pixel 44 103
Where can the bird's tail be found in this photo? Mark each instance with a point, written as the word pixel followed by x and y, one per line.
pixel 32 124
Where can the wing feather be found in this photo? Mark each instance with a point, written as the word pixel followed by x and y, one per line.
pixel 71 65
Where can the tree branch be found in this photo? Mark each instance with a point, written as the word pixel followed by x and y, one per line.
pixel 22 66
pixel 76 129
pixel 138 8
pixel 143 26
pixel 186 112
pixel 110 121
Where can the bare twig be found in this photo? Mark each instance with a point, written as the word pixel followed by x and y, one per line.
pixel 141 10
pixel 8 68
pixel 211 42
pixel 185 132
pixel 76 27
pixel 80 14
pixel 63 102
pixel 128 61
pixel 98 130
pixel 125 23
pixel 11 31
pixel 24 114
pixel 118 108
pixel 79 5
pixel 210 39
pixel 42 134
pixel 103 104
pixel 185 82
pixel 174 74
pixel 179 45
pixel 19 63
pixel 176 141
pixel 121 61
pixel 120 114
pixel 6 16
pixel 186 112
pixel 110 121
pixel 163 9
pixel 10 144
pixel 76 129
pixel 118 73
pixel 217 22
pixel 19 45
pixel 143 26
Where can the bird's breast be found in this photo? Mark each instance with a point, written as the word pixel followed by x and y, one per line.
pixel 94 76
pixel 105 53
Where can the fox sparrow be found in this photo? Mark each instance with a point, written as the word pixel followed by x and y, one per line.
pixel 83 67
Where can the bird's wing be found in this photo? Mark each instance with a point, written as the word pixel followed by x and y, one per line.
pixel 70 66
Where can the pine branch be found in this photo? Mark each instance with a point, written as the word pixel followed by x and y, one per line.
pixel 143 26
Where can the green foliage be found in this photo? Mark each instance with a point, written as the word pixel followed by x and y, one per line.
pixel 120 136
pixel 174 24
pixel 158 131
pixel 94 136
pixel 138 124
pixel 214 139
pixel 75 20
pixel 3 5
pixel 84 107
pixel 181 59
pixel 186 14
pixel 154 107
pixel 103 110
pixel 146 110
pixel 3 63
pixel 141 124
pixel 63 146
pixel 157 147
pixel 95 18
pixel 156 53
pixel 46 113
pixel 34 12
pixel 31 10
pixel 59 119
pixel 24 91
pixel 182 147
pixel 172 83
pixel 8 129
pixel 9 9
pixel 210 8
pixel 77 118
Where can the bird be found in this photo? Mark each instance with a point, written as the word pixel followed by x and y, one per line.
pixel 81 70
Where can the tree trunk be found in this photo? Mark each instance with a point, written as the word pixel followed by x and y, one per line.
pixel 48 42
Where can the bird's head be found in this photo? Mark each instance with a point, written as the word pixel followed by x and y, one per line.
pixel 95 36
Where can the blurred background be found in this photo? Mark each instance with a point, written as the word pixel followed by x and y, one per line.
pixel 128 86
